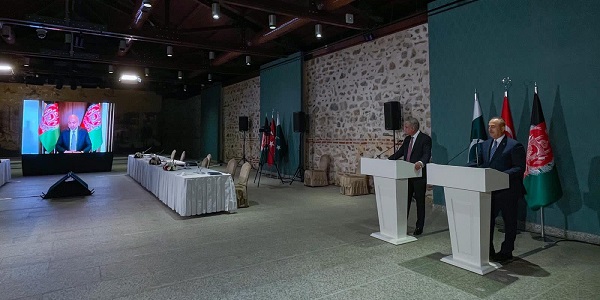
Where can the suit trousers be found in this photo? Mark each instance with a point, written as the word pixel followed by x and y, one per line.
pixel 416 188
pixel 508 207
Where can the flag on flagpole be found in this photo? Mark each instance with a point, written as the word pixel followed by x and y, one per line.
pixel 478 132
pixel 280 144
pixel 92 122
pixel 541 177
pixel 271 156
pixel 507 116
pixel 49 130
pixel 264 145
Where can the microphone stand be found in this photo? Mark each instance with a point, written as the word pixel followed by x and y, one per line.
pixel 386 150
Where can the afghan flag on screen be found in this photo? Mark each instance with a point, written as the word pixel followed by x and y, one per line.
pixel 49 128
pixel 541 177
pixel 92 122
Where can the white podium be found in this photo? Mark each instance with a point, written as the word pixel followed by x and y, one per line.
pixel 468 203
pixel 391 192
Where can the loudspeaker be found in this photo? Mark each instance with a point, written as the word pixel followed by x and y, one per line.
pixel 68 186
pixel 300 121
pixel 243 123
pixel 392 112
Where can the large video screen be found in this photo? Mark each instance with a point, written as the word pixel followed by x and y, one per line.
pixel 67 127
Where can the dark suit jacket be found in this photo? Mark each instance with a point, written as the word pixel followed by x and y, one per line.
pixel 83 140
pixel 421 151
pixel 508 158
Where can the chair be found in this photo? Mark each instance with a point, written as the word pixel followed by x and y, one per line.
pixel 204 163
pixel 209 157
pixel 354 184
pixel 182 158
pixel 173 154
pixel 241 187
pixel 231 167
pixel 319 176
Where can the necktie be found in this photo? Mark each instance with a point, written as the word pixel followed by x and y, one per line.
pixel 73 146
pixel 410 145
pixel 494 146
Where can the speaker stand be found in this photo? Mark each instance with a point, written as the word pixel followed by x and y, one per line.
pixel 244 160
pixel 259 173
pixel 394 138
pixel 300 170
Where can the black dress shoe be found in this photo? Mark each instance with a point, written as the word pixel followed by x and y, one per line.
pixel 418 231
pixel 503 257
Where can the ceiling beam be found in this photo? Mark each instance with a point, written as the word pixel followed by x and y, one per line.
pixel 276 7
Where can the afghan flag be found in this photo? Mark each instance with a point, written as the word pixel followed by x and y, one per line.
pixel 541 178
pixel 478 133
pixel 264 145
pixel 49 127
pixel 280 144
pixel 92 122
pixel 507 116
pixel 271 156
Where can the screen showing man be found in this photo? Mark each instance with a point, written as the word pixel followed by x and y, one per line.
pixel 74 139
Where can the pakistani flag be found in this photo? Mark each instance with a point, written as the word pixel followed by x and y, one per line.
pixel 49 127
pixel 280 144
pixel 478 133
pixel 264 145
pixel 541 178
pixel 92 122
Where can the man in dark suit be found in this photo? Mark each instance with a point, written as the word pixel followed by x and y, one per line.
pixel 416 148
pixel 74 139
pixel 506 155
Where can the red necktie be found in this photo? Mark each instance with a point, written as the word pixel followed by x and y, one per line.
pixel 410 145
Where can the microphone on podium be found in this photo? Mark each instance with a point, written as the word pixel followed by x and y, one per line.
pixel 386 150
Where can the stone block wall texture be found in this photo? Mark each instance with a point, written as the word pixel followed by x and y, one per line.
pixel 134 110
pixel 242 99
pixel 345 93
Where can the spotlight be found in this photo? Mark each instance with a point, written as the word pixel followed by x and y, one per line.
pixel 179 75
pixel 122 45
pixel 248 60
pixel 272 21
pixel 209 77
pixel 215 10
pixel 146 72
pixel 26 62
pixel 111 69
pixel 130 78
pixel 349 18
pixel 318 31
pixel 6 69
pixel 185 87
pixel 169 51
pixel 147 3
pixel 211 55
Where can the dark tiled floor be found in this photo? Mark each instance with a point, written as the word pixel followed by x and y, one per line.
pixel 292 243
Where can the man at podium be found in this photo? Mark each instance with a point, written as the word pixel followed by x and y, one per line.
pixel 506 155
pixel 416 148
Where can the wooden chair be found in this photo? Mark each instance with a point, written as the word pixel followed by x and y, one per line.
pixel 231 167
pixel 319 176
pixel 241 187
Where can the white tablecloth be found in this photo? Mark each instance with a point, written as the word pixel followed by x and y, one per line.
pixel 186 191
pixel 4 171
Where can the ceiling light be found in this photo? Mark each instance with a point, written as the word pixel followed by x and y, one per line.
pixel 318 31
pixel 147 3
pixel 6 69
pixel 146 72
pixel 349 18
pixel 209 77
pixel 122 45
pixel 179 75
pixel 185 87
pixel 26 62
pixel 211 55
pixel 111 69
pixel 215 10
pixel 169 51
pixel 130 78
pixel 272 21
pixel 248 60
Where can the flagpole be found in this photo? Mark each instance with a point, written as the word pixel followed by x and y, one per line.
pixel 543 233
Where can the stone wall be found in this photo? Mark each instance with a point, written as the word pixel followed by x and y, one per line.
pixel 134 111
pixel 345 92
pixel 242 99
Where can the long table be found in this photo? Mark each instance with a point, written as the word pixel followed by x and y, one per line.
pixel 187 191
pixel 4 171
pixel 63 163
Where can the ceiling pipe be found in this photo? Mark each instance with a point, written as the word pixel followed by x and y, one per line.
pixel 141 15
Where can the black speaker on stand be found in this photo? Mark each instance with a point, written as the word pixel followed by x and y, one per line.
pixel 243 126
pixel 392 112
pixel 68 186
pixel 300 125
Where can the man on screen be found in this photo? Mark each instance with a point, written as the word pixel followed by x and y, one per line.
pixel 74 139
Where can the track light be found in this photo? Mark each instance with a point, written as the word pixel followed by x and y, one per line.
pixel 211 55
pixel 146 72
pixel 209 77
pixel 248 60
pixel 169 51
pixel 111 69
pixel 179 75
pixel 216 10
pixel 318 31
pixel 272 21
pixel 26 62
